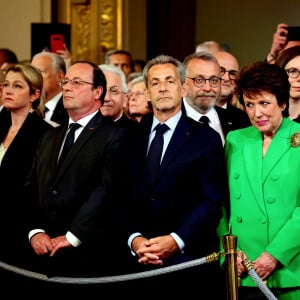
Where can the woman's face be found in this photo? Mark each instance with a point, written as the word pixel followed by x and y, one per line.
pixel 16 92
pixel 264 112
pixel 294 77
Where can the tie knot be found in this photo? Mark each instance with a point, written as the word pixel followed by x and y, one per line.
pixel 204 120
pixel 161 129
pixel 74 126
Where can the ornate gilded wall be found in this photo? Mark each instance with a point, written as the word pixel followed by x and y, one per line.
pixel 96 28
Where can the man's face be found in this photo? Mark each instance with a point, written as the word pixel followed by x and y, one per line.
pixel 121 61
pixel 202 98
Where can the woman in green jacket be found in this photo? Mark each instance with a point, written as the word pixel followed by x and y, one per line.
pixel 263 163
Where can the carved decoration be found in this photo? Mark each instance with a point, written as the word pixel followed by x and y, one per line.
pixel 95 28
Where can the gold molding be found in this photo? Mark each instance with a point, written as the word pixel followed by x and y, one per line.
pixel 96 27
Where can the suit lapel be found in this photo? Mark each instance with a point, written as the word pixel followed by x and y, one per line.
pixel 225 123
pixel 253 152
pixel 181 134
pixel 277 149
pixel 84 136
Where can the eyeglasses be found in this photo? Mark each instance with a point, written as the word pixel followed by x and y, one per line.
pixel 200 81
pixel 114 91
pixel 232 74
pixel 293 72
pixel 75 83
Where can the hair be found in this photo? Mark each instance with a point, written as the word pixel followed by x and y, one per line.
pixel 136 80
pixel 98 77
pixel 286 55
pixel 118 51
pixel 261 76
pixel 119 72
pixel 209 46
pixel 164 59
pixel 32 76
pixel 8 56
pixel 203 55
pixel 133 75
pixel 58 62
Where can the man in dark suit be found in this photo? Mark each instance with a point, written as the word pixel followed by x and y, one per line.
pixel 203 85
pixel 69 218
pixel 53 69
pixel 173 217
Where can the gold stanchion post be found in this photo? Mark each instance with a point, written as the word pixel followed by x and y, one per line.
pixel 229 244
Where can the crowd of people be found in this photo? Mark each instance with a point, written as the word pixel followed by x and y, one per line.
pixel 110 169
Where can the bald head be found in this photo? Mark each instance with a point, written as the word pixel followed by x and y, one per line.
pixel 227 60
pixel 229 63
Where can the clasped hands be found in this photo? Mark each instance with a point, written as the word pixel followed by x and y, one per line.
pixel 43 244
pixel 264 265
pixel 155 250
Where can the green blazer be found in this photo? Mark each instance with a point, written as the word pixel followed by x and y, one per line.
pixel 265 199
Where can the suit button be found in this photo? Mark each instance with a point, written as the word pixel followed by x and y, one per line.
pixel 271 200
pixel 275 177
pixel 236 175
pixel 54 193
pixel 238 195
pixel 263 220
pixel 239 219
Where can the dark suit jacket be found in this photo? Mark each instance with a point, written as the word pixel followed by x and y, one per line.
pixel 14 170
pixel 60 115
pixel 231 118
pixel 75 198
pixel 188 194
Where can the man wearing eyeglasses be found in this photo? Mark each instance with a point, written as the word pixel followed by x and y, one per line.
pixel 70 221
pixel 228 100
pixel 203 89
pixel 116 97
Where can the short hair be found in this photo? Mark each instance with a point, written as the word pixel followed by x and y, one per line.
pixel 98 76
pixel 136 80
pixel 203 55
pixel 261 76
pixel 164 59
pixel 118 51
pixel 58 62
pixel 209 46
pixel 119 72
pixel 8 56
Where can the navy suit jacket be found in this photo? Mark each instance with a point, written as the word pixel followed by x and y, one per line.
pixel 188 194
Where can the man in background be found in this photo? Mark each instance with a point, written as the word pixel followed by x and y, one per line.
pixel 53 69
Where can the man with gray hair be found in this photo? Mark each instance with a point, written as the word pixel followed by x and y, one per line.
pixel 53 69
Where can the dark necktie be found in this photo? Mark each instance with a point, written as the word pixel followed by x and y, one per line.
pixel 69 141
pixel 204 120
pixel 155 152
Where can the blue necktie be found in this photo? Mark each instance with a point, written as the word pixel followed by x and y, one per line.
pixel 69 141
pixel 155 152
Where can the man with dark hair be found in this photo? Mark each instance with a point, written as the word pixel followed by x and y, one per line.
pixel 7 59
pixel 121 59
